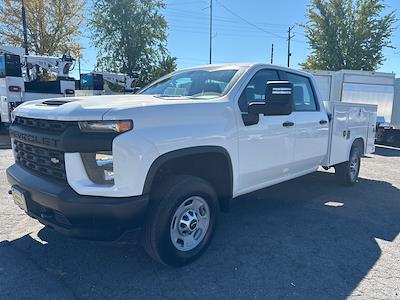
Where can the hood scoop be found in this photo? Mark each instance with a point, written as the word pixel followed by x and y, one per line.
pixel 54 102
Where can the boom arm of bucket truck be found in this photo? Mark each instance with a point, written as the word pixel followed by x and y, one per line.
pixel 59 66
pixel 126 81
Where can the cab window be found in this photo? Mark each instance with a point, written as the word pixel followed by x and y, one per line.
pixel 303 93
pixel 255 89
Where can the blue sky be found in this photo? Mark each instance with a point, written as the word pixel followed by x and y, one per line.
pixel 234 39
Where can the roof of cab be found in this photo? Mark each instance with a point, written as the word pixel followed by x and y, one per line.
pixel 246 65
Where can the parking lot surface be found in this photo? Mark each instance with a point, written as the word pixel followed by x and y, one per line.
pixel 305 239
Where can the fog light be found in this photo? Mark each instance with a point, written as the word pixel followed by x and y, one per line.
pixel 103 159
pixel 105 162
pixel 108 175
pixel 99 167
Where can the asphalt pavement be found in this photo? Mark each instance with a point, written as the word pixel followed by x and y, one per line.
pixel 305 239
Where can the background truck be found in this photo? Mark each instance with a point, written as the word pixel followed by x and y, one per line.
pixel 21 79
pixel 376 88
pixel 105 83
pixel 171 157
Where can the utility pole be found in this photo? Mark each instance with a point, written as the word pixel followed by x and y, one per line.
pixel 272 54
pixel 79 65
pixel 25 28
pixel 290 36
pixel 211 29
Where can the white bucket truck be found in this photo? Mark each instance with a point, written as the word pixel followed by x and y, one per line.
pixel 20 82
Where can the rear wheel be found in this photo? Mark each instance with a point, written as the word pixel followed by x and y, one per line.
pixel 182 220
pixel 347 172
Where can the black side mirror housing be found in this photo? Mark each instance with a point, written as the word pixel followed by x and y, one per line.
pixel 279 100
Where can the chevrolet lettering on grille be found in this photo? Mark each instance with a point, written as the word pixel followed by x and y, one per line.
pixel 30 138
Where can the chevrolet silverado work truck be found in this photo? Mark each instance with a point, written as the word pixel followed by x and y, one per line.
pixel 169 158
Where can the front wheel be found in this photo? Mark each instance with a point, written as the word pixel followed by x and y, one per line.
pixel 182 220
pixel 347 172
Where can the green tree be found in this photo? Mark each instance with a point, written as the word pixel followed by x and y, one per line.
pixel 53 25
pixel 131 37
pixel 348 34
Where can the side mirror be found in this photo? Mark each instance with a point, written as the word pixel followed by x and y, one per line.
pixel 279 100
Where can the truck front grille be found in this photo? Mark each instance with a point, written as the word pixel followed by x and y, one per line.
pixel 48 125
pixel 40 160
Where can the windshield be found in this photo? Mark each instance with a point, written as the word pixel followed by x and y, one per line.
pixel 203 84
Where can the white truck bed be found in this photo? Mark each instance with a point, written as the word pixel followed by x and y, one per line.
pixel 349 120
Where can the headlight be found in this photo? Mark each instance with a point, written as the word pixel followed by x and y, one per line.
pixel 99 167
pixel 106 126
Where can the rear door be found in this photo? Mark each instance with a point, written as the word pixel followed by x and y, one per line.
pixel 312 126
pixel 266 146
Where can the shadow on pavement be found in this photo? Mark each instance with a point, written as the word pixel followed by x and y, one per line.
pixel 280 242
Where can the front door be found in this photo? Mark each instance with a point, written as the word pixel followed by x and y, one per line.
pixel 266 147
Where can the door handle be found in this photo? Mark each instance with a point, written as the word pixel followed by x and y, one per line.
pixel 288 124
pixel 323 122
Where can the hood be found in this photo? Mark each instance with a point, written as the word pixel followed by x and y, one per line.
pixel 89 108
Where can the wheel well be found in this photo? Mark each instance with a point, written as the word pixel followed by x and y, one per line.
pixel 214 167
pixel 359 142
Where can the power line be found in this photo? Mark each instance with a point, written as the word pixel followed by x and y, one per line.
pixel 194 27
pixel 216 26
pixel 247 21
pixel 225 32
pixel 190 21
pixel 231 20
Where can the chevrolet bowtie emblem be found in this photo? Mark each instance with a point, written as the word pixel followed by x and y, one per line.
pixel 55 160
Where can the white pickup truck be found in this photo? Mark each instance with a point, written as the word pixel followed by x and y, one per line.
pixel 171 157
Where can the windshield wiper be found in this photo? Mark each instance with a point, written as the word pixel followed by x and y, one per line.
pixel 204 97
pixel 170 96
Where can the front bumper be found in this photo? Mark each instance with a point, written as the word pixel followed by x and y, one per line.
pixel 56 205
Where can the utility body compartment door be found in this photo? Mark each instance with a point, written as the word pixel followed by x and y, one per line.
pixel 371 132
pixel 9 98
pixel 5 110
pixel 349 122
pixel 339 135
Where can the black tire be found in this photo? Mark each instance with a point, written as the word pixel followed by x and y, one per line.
pixel 347 172
pixel 165 203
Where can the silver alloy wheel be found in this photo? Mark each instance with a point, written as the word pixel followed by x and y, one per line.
pixel 354 166
pixel 190 223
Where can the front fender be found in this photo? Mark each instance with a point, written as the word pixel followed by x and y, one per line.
pixel 133 155
pixel 160 161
